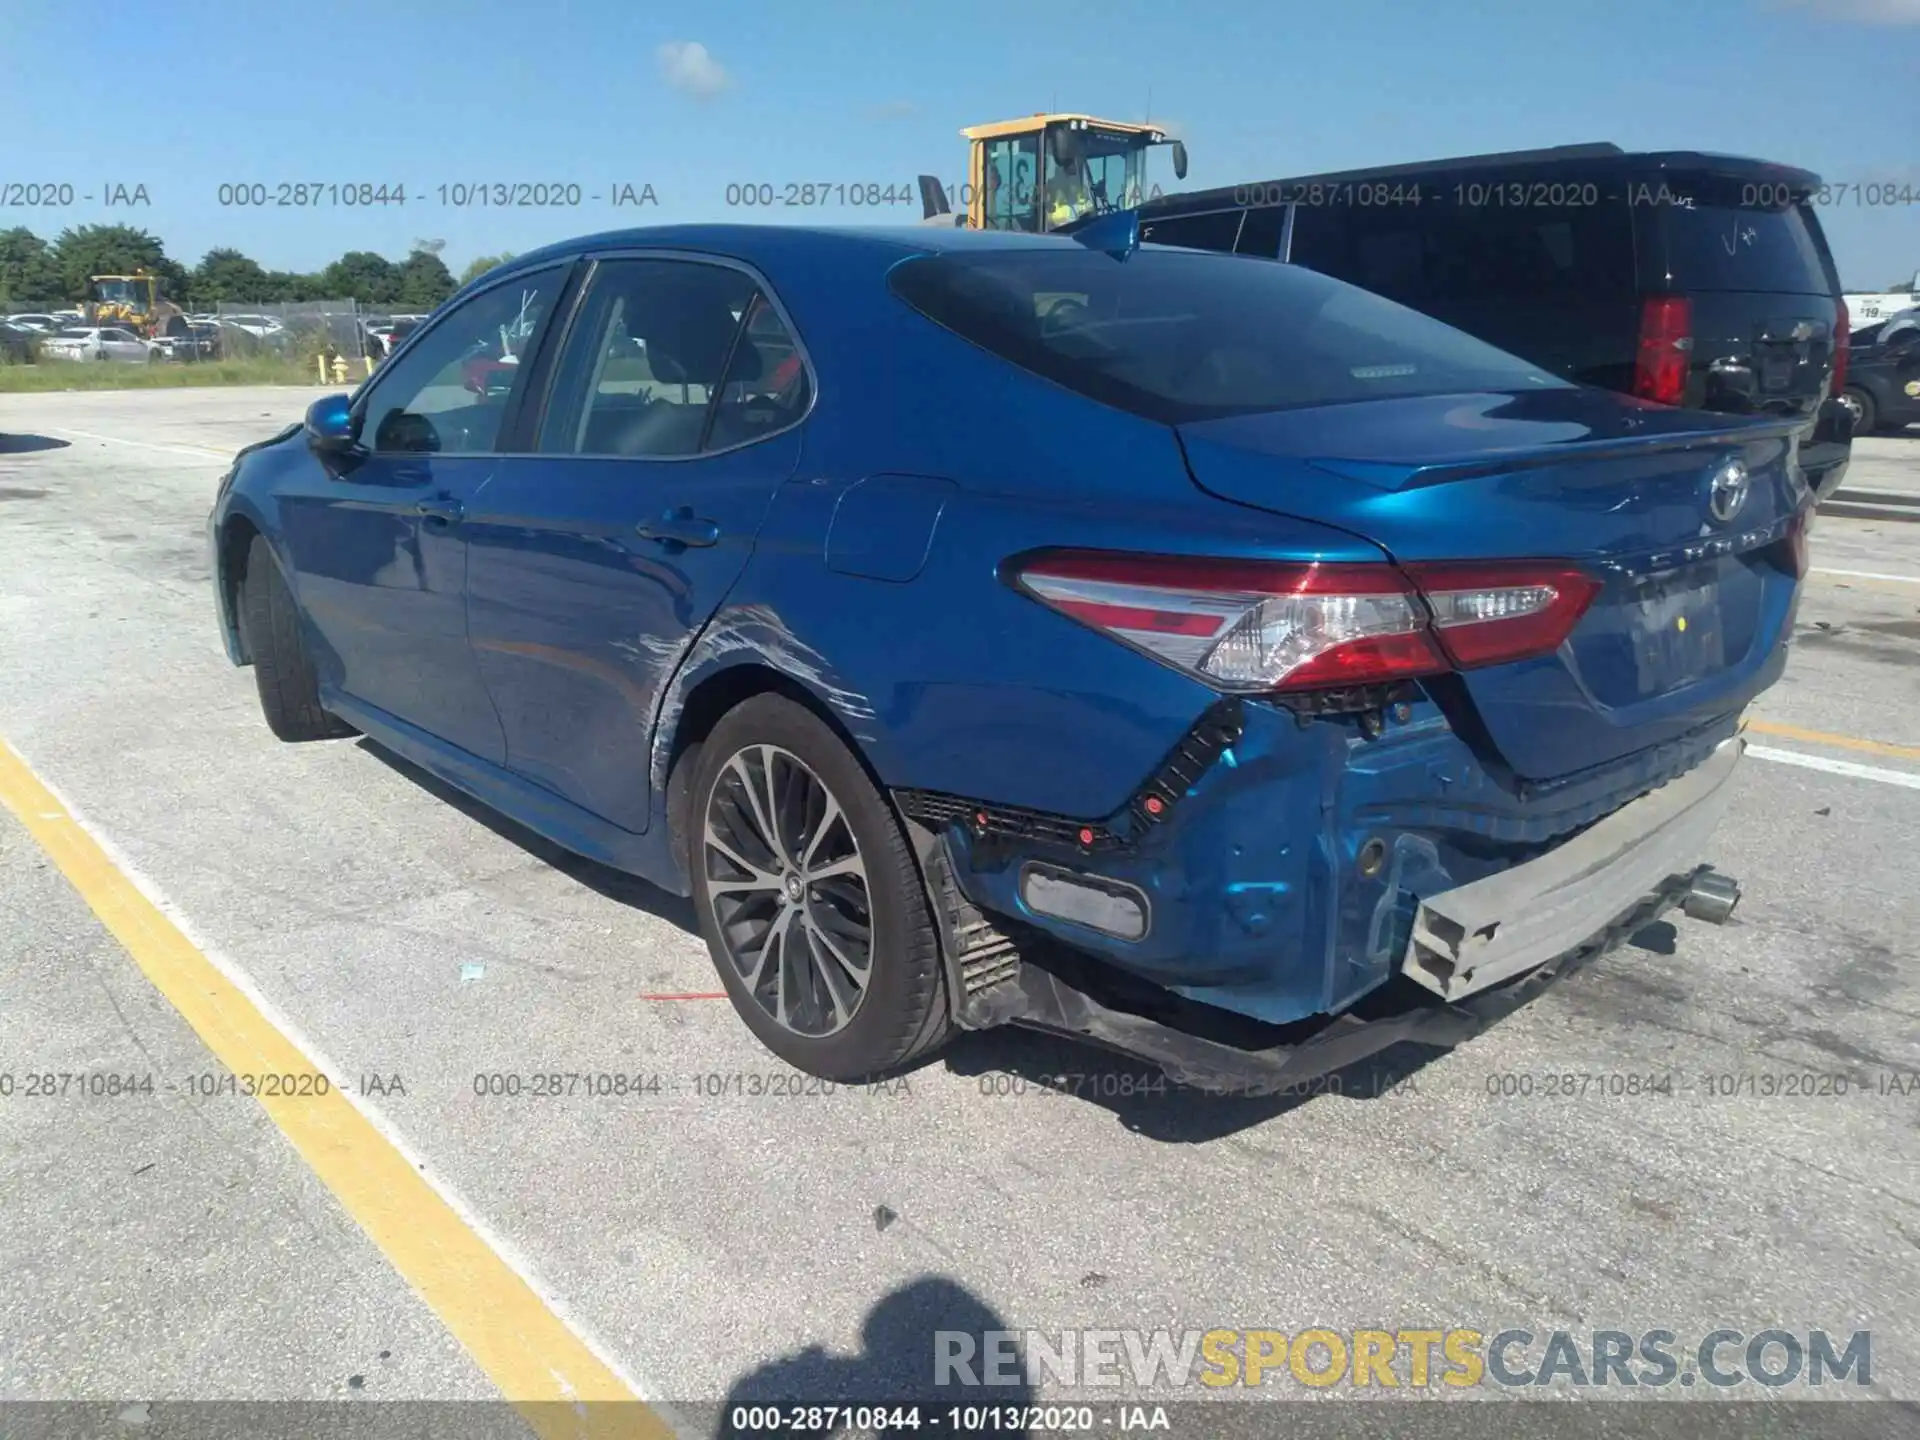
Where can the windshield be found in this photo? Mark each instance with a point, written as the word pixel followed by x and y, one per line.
pixel 71 334
pixel 120 292
pixel 1113 170
pixel 1179 336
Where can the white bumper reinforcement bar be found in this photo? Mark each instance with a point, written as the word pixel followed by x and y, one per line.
pixel 1478 935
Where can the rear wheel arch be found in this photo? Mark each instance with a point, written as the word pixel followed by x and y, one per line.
pixel 707 701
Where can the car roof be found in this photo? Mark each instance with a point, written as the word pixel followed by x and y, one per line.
pixel 1598 155
pixel 777 245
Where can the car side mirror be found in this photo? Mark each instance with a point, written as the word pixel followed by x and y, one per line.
pixel 330 425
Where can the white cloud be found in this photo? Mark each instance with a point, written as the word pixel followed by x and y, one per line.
pixel 1865 12
pixel 687 66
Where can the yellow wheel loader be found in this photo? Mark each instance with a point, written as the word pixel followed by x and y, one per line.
pixel 1044 171
pixel 133 302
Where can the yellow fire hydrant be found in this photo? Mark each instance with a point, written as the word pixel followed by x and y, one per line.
pixel 339 369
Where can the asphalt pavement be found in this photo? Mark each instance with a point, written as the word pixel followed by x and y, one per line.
pixel 176 886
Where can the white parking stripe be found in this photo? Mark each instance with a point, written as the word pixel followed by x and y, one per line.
pixel 197 451
pixel 1906 778
pixel 1868 575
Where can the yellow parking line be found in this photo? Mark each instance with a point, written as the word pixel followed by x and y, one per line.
pixel 560 1387
pixel 1842 742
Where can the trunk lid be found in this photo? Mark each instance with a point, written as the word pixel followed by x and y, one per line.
pixel 1695 607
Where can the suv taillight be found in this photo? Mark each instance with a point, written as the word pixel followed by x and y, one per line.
pixel 1251 626
pixel 1666 346
pixel 1842 345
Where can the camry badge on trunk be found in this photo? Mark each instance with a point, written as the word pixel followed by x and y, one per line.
pixel 1727 491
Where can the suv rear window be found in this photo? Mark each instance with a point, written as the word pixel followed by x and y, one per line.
pixel 1721 233
pixel 1178 337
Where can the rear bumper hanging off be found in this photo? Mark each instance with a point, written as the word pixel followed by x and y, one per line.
pixel 1467 939
pixel 1477 952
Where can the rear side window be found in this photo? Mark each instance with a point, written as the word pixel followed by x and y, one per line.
pixel 1721 233
pixel 1466 243
pixel 1216 230
pixel 1181 337
pixel 650 345
pixel 671 358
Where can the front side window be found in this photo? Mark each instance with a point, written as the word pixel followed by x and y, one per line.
pixel 449 394
pixel 1177 336
pixel 652 345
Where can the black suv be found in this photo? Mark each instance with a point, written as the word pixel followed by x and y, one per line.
pixel 1685 278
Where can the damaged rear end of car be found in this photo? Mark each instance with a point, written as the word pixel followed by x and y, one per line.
pixel 1481 733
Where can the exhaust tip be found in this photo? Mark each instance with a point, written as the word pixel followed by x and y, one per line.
pixel 1712 897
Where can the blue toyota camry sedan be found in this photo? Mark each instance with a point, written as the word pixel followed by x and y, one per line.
pixel 1188 653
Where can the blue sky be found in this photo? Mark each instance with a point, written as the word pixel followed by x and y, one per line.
pixel 186 95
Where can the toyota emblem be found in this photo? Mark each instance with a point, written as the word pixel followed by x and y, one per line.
pixel 1727 491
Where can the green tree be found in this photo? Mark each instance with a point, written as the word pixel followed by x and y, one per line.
pixel 87 250
pixel 287 285
pixel 480 265
pixel 230 277
pixel 29 274
pixel 424 281
pixel 361 275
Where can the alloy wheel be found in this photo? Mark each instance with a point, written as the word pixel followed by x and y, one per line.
pixel 789 891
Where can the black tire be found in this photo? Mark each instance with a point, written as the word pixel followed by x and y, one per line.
pixel 902 1015
pixel 282 668
pixel 1866 415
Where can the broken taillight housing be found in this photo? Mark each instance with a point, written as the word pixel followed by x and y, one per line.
pixel 1254 626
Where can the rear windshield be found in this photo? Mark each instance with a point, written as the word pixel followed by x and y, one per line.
pixel 1179 336
pixel 1722 233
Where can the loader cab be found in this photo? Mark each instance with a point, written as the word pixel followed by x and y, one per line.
pixel 1039 173
pixel 128 299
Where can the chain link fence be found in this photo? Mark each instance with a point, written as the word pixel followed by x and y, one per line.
pixel 303 332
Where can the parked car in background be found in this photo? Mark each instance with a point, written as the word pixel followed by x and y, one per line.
pixel 85 342
pixel 1883 378
pixel 1696 280
pixel 18 343
pixel 398 331
pixel 1891 329
pixel 201 342
pixel 45 324
pixel 1246 648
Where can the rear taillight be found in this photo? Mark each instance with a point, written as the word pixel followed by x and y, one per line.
pixel 1666 347
pixel 1489 614
pixel 1259 626
pixel 1842 345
